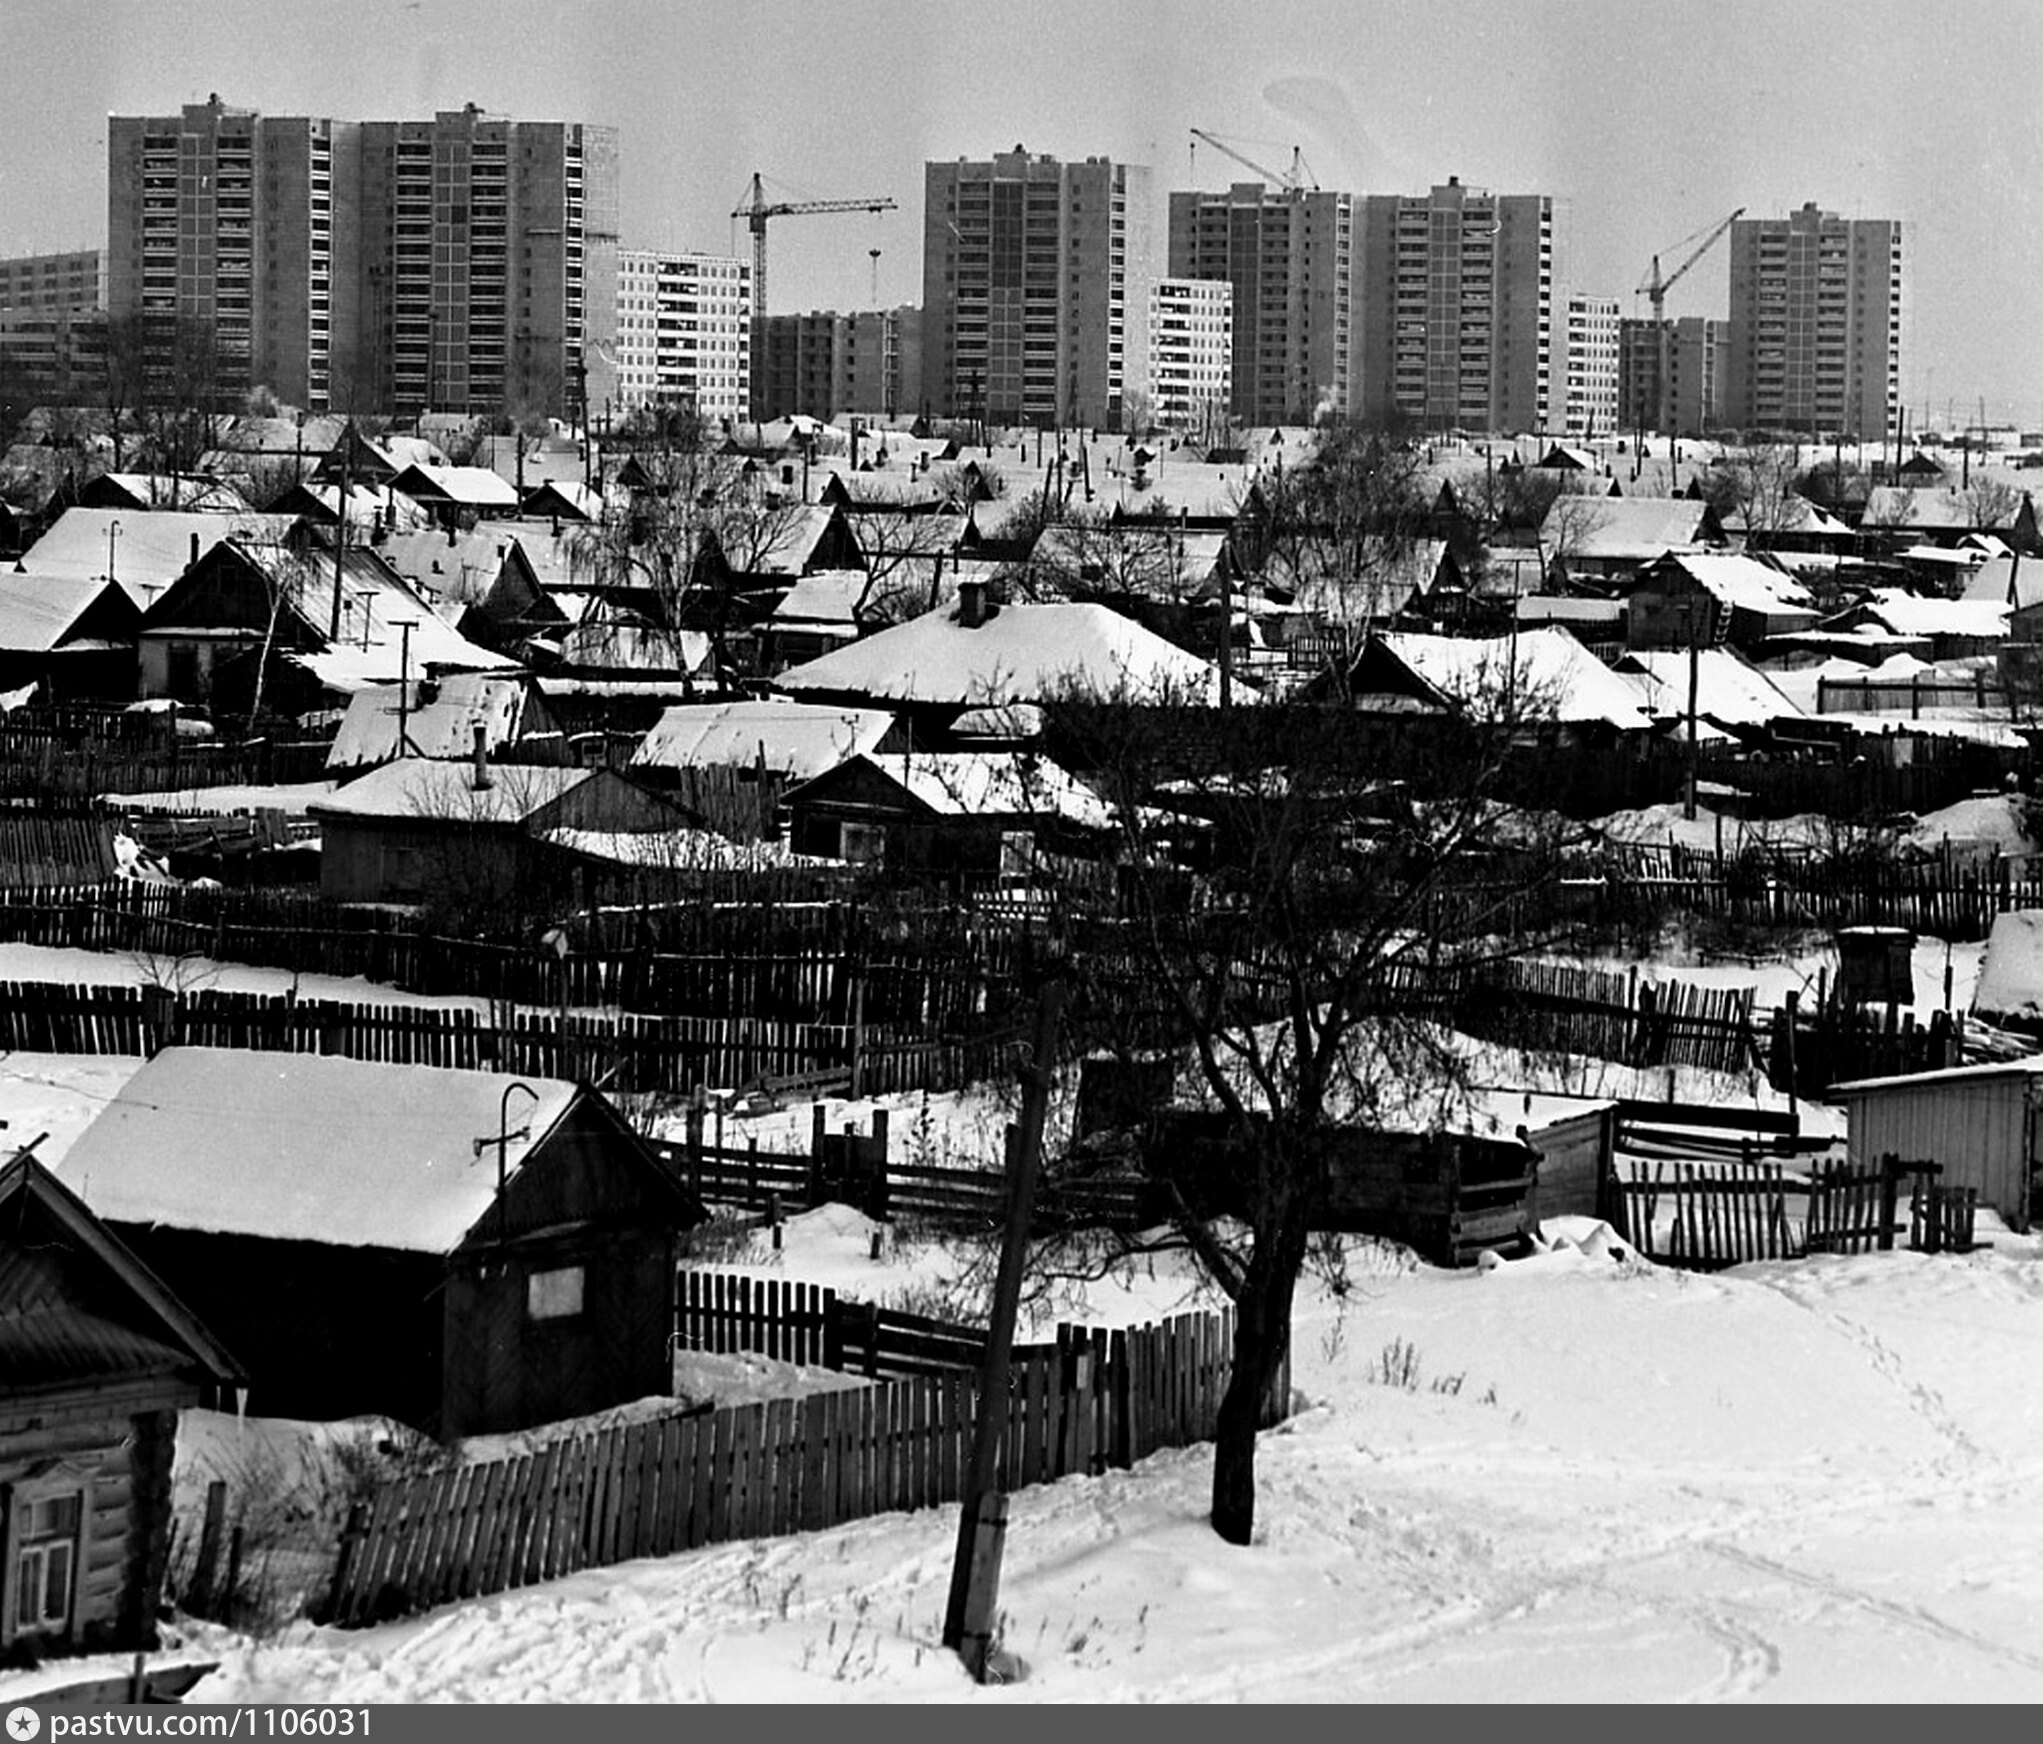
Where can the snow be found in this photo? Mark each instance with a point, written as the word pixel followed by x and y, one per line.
pixel 1999 821
pixel 2011 978
pixel 20 962
pixel 291 798
pixel 1548 669
pixel 1569 1478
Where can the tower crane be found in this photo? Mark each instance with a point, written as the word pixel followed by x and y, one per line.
pixel 758 209
pixel 1292 181
pixel 1657 288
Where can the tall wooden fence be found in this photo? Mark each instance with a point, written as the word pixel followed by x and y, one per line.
pixel 1093 1401
pixel 625 1052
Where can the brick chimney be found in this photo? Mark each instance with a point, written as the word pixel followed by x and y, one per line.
pixel 973 609
pixel 481 781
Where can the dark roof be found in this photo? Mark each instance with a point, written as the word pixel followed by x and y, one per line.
pixel 76 1305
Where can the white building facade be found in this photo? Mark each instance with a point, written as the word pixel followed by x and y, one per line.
pixel 684 331
pixel 1191 354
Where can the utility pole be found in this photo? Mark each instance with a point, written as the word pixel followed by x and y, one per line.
pixel 340 537
pixel 982 1527
pixel 1694 686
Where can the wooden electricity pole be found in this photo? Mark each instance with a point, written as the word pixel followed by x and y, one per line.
pixel 982 1528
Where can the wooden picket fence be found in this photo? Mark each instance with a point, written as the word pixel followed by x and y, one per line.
pixel 1703 1216
pixel 1095 1400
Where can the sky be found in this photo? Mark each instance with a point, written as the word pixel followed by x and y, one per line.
pixel 1647 121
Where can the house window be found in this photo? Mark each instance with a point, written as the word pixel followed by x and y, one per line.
pixel 1017 856
pixel 43 1557
pixel 555 1295
pixel 861 844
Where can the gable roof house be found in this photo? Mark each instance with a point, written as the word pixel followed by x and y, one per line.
pixel 454 495
pixel 1951 629
pixel 144 553
pixel 1607 538
pixel 253 621
pixel 983 655
pixel 1731 695
pixel 1542 677
pixel 146 492
pixel 730 763
pixel 1947 517
pixel 483 583
pixel 502 713
pixel 97 1357
pixel 465 1251
pixel 421 831
pixel 978 815
pixel 74 638
pixel 1712 598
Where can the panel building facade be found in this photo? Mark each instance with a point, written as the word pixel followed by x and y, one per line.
pixel 1036 277
pixel 1292 258
pixel 1457 309
pixel 51 308
pixel 1191 355
pixel 684 332
pixel 461 264
pixel 1696 348
pixel 821 363
pixel 1816 324
pixel 1583 397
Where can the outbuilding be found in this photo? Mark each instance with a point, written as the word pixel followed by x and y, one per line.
pixel 1979 1123
pixel 466 1251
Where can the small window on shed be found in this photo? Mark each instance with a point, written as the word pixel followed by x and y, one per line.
pixel 554 1295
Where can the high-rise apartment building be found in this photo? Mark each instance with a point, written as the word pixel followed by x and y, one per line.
pixel 1582 399
pixel 1457 309
pixel 822 363
pixel 684 332
pixel 51 309
pixel 1292 257
pixel 1191 354
pixel 1816 305
pixel 463 264
pixel 1035 288
pixel 1696 348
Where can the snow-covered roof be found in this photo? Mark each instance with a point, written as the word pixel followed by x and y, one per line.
pixel 1625 528
pixel 1548 672
pixel 1939 507
pixel 619 644
pixel 38 611
pixel 825 597
pixel 679 850
pixel 472 487
pixel 186 492
pixel 439 722
pixel 460 569
pixel 428 789
pixel 149 552
pixel 2012 580
pixel 1909 614
pixel 993 784
pixel 1746 584
pixel 307 1147
pixel 1728 690
pixel 1023 653
pixel 801 739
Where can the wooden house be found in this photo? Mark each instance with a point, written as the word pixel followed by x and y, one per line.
pixel 980 814
pixel 1715 597
pixel 465 1251
pixel 440 718
pixel 422 831
pixel 97 1357
pixel 75 638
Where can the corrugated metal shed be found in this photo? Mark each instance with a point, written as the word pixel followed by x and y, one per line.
pixel 1978 1122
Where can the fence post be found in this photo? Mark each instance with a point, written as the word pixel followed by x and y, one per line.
pixel 1890 1193
pixel 819 1138
pixel 199 1596
pixel 876 1179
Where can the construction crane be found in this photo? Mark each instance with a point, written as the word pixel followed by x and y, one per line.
pixel 1292 181
pixel 758 209
pixel 1657 288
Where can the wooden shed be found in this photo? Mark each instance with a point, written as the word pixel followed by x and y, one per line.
pixel 97 1358
pixel 465 1251
pixel 1978 1122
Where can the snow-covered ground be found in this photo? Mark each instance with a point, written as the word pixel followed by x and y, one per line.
pixel 1568 1478
pixel 19 962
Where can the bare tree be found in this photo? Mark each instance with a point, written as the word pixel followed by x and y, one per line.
pixel 1293 968
pixel 1761 481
